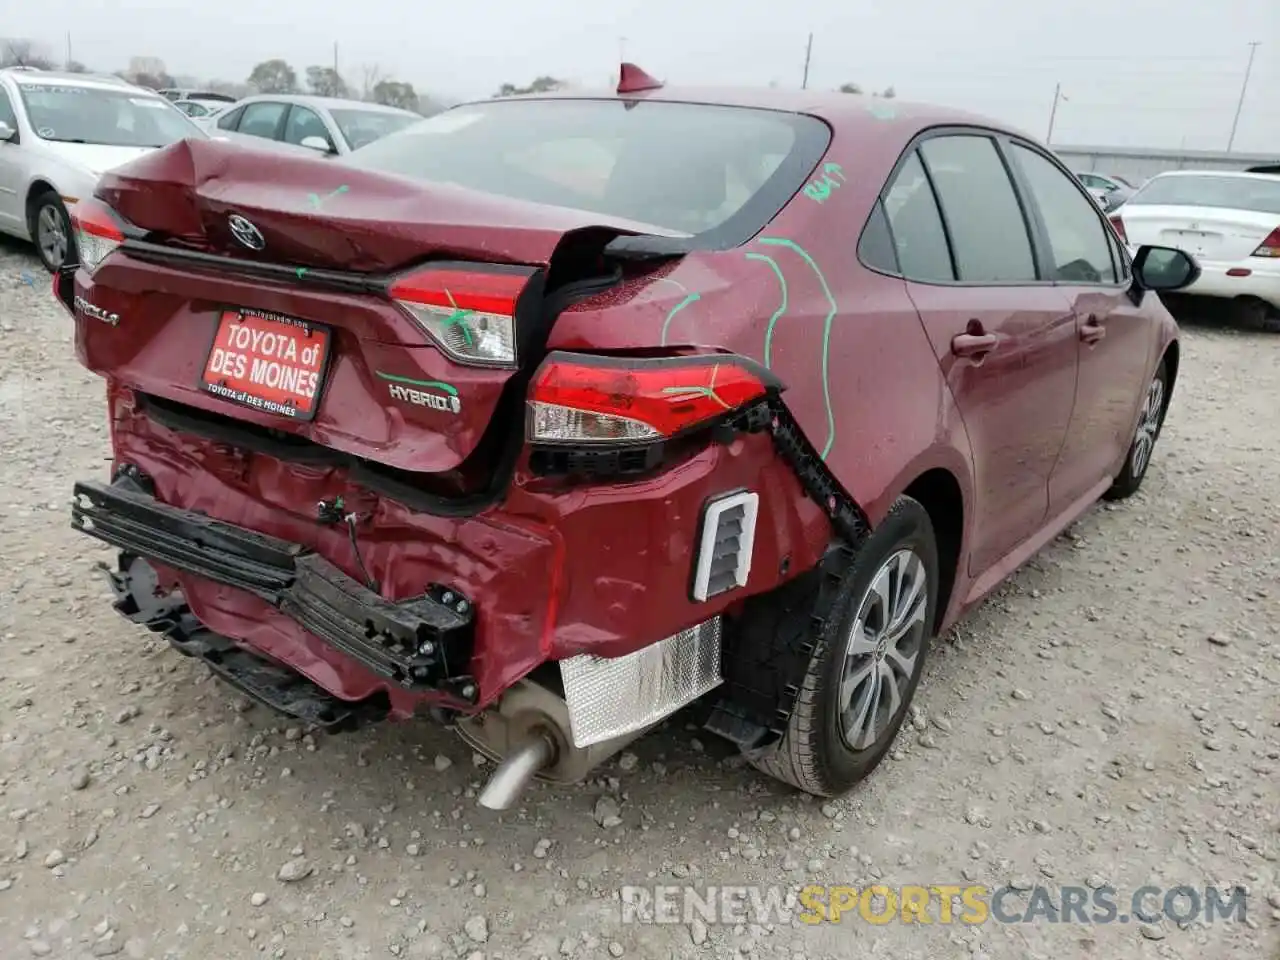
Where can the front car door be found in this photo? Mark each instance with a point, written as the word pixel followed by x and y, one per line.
pixel 1116 337
pixel 1004 337
pixel 304 122
pixel 12 176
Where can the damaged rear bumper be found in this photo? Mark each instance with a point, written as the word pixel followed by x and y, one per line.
pixel 422 644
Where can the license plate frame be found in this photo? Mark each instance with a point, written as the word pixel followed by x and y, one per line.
pixel 230 385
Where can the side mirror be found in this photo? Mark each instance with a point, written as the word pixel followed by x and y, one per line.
pixel 7 132
pixel 319 144
pixel 1164 268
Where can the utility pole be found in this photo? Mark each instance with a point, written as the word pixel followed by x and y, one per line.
pixel 808 53
pixel 1053 112
pixel 1244 88
pixel 335 58
pixel 68 63
pixel 622 49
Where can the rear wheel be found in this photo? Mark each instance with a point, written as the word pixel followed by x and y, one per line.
pixel 866 662
pixel 51 231
pixel 1150 421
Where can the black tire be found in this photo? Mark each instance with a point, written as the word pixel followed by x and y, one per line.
pixel 1130 478
pixel 51 202
pixel 813 754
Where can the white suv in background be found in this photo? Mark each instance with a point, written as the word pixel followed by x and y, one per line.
pixel 58 133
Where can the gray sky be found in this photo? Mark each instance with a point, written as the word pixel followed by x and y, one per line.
pixel 1161 73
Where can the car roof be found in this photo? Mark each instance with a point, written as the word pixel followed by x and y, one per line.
pixel 1234 174
pixel 845 110
pixel 64 79
pixel 325 103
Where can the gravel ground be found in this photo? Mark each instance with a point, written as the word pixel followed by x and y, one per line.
pixel 1110 717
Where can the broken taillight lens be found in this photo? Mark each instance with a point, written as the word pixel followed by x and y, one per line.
pixel 585 399
pixel 468 311
pixel 97 231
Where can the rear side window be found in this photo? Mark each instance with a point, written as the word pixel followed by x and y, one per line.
pixel 919 238
pixel 228 121
pixel 1077 238
pixel 875 247
pixel 988 232
pixel 262 119
pixel 719 173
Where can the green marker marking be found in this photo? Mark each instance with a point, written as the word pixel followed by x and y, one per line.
pixel 457 317
pixel 679 393
pixel 777 314
pixel 301 272
pixel 443 387
pixel 834 170
pixel 826 331
pixel 666 324
pixel 318 201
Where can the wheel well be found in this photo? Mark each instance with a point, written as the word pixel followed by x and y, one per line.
pixel 939 493
pixel 37 188
pixel 1171 356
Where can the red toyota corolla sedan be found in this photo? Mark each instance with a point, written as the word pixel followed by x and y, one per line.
pixel 549 416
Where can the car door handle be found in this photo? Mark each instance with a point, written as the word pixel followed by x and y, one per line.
pixel 973 344
pixel 1091 331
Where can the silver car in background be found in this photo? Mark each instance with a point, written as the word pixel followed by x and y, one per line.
pixel 58 133
pixel 298 123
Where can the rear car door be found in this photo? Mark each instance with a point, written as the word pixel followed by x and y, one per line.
pixel 304 122
pixel 1117 338
pixel 263 119
pixel 1005 340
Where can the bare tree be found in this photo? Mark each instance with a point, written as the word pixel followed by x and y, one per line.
pixel 371 76
pixel 850 88
pixel 23 53
pixel 543 84
pixel 393 93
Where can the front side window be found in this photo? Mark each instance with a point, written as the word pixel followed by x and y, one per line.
pixel 717 172
pixel 1077 238
pixel 303 123
pixel 110 117
pixel 7 115
pixel 989 235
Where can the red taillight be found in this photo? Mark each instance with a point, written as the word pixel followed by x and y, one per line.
pixel 578 398
pixel 98 231
pixel 1118 223
pixel 468 312
pixel 1269 247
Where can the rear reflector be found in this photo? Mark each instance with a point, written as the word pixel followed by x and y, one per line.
pixel 468 312
pixel 728 537
pixel 580 398
pixel 97 231
pixel 1119 225
pixel 1269 247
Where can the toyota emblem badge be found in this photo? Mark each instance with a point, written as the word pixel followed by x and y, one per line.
pixel 246 232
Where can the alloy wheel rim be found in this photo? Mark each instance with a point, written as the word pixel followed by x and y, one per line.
pixel 882 648
pixel 1148 426
pixel 51 235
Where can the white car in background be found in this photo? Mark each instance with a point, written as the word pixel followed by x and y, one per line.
pixel 58 133
pixel 297 123
pixel 1228 221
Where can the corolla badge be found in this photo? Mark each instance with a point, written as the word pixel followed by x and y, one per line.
pixel 245 232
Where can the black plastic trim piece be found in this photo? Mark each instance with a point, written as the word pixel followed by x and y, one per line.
pixel 274 685
pixel 422 644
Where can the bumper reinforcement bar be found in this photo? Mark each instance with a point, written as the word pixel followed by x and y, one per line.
pixel 423 644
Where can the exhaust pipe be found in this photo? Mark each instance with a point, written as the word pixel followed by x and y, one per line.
pixel 516 772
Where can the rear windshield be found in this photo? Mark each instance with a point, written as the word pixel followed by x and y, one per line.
pixel 362 127
pixel 118 118
pixel 1236 193
pixel 721 172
